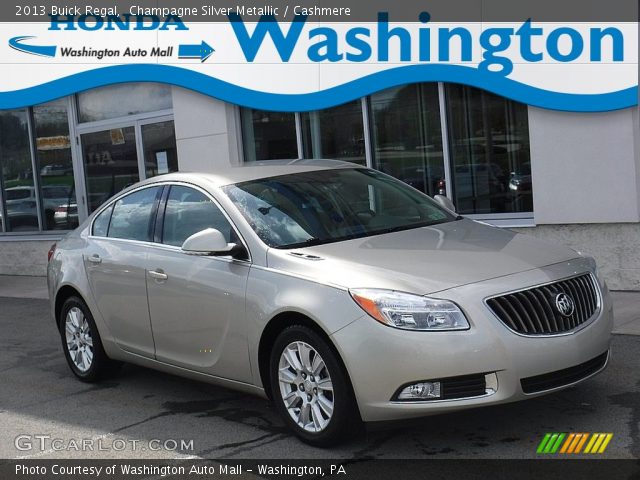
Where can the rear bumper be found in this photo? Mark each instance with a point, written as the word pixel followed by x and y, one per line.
pixel 380 359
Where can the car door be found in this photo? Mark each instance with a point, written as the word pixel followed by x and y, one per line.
pixel 197 303
pixel 116 262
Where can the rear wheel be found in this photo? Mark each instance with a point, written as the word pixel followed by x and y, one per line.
pixel 81 342
pixel 310 388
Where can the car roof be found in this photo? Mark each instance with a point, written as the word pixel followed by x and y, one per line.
pixel 253 171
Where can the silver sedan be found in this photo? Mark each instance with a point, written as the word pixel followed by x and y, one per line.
pixel 338 292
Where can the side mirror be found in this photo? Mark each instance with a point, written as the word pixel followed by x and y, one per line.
pixel 445 202
pixel 209 242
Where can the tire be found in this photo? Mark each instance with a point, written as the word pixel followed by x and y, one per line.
pixel 317 414
pixel 81 342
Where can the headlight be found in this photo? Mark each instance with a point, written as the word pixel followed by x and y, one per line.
pixel 410 312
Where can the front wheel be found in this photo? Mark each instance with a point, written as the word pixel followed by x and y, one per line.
pixel 310 388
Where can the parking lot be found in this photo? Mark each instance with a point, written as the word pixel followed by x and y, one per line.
pixel 41 401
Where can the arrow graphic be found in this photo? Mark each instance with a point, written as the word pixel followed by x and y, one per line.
pixel 40 50
pixel 202 51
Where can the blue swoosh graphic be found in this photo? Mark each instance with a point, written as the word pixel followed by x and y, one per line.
pixel 40 50
pixel 323 99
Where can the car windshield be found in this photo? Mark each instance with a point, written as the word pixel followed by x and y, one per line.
pixel 312 208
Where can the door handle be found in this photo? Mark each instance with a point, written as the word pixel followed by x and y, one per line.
pixel 95 258
pixel 158 274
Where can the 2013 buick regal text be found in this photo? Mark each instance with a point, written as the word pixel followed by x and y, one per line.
pixel 338 292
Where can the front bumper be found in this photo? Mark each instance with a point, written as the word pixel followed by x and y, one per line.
pixel 380 359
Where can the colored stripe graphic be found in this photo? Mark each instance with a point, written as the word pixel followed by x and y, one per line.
pixel 558 442
pixel 573 443
pixel 551 442
pixel 605 444
pixel 543 443
pixel 565 447
pixel 598 443
pixel 590 444
pixel 581 443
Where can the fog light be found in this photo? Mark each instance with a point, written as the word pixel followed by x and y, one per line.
pixel 420 391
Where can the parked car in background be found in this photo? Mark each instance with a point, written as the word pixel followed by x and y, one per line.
pixel 55 170
pixel 66 216
pixel 22 207
pixel 339 292
pixel 520 180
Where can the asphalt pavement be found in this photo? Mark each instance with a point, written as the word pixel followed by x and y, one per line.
pixel 46 413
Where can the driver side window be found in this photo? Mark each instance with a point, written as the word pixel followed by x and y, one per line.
pixel 189 211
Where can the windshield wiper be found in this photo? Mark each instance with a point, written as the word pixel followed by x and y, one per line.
pixel 309 242
pixel 411 226
pixel 312 241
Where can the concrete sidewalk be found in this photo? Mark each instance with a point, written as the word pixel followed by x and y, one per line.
pixel 626 304
pixel 19 286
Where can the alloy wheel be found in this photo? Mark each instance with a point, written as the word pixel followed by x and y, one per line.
pixel 79 339
pixel 305 386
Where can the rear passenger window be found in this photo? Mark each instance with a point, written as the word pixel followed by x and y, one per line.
pixel 132 215
pixel 189 211
pixel 101 223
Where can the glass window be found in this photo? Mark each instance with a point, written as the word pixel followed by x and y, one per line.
pixel 132 215
pixel 19 194
pixel 327 206
pixel 189 211
pixel 110 162
pixel 53 148
pixel 268 135
pixel 491 165
pixel 159 145
pixel 407 135
pixel 121 100
pixel 101 223
pixel 336 133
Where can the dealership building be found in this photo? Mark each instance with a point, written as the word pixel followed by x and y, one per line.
pixel 566 177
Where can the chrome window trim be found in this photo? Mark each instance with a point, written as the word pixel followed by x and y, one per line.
pixel 574 330
pixel 162 245
pixel 118 196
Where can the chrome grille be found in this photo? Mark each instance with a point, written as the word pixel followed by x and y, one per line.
pixel 535 311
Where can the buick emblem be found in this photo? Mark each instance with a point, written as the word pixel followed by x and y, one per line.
pixel 565 305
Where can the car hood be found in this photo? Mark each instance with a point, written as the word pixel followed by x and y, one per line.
pixel 422 260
